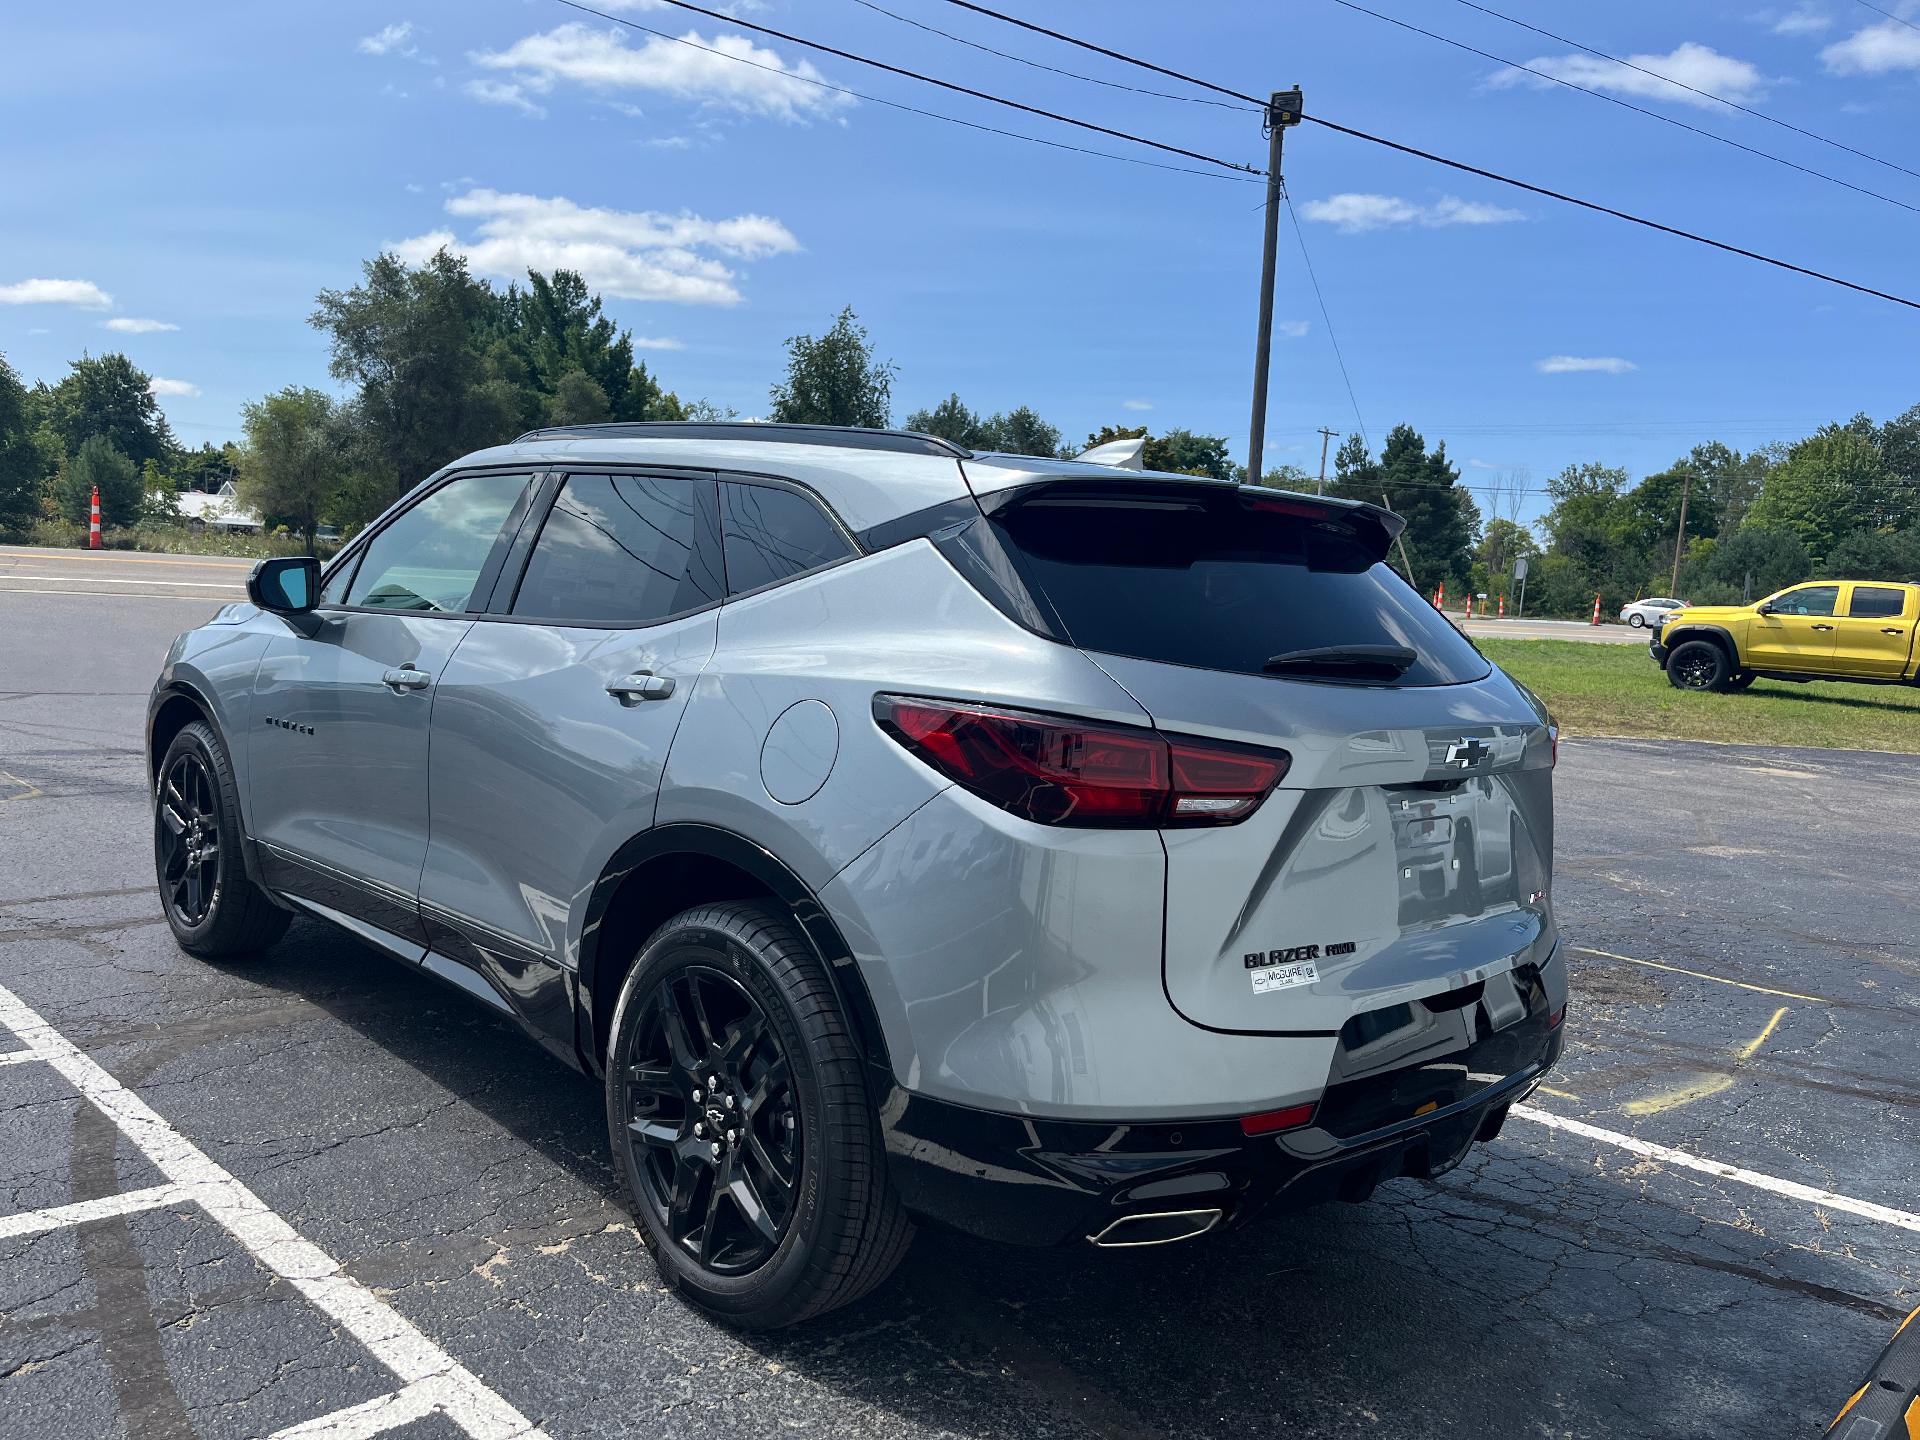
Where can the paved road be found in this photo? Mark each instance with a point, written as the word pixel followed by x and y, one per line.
pixel 34 571
pixel 1609 633
pixel 1746 991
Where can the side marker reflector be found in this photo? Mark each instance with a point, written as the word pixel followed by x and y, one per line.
pixel 1271 1122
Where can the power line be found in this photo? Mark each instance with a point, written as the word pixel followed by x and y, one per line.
pixel 1891 16
pixel 1325 318
pixel 1050 69
pixel 909 109
pixel 1459 165
pixel 954 86
pixel 1623 104
pixel 1696 90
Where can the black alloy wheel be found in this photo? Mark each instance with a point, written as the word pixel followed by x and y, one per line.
pixel 1697 665
pixel 186 820
pixel 713 1127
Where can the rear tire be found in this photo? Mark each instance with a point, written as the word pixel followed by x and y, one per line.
pixel 1637 620
pixel 213 908
pixel 765 1201
pixel 1698 665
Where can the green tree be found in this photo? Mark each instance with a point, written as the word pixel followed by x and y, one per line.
pixel 1021 431
pixel 411 340
pixel 1287 477
pixel 1731 480
pixel 577 399
pixel 951 420
pixel 834 379
pixel 1178 452
pixel 108 395
pixel 1830 483
pixel 1752 562
pixel 99 462
pixel 1874 555
pixel 1443 523
pixel 21 470
pixel 295 458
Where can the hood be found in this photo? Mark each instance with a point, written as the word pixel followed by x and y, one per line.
pixel 1712 614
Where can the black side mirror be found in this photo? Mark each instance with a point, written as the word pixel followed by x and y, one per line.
pixel 287 585
pixel 1766 609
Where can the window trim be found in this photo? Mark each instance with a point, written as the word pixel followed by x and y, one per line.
pixel 506 588
pixel 1898 589
pixel 487 578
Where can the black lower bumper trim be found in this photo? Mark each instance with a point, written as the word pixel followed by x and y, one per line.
pixel 1029 1181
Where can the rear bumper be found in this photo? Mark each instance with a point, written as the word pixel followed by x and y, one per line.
pixel 1031 1181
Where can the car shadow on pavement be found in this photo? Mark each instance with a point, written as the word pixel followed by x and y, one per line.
pixel 1788 690
pixel 1520 1295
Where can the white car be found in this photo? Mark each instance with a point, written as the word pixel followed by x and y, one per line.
pixel 1652 611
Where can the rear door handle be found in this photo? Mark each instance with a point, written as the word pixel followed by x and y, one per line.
pixel 407 678
pixel 1820 627
pixel 1891 630
pixel 641 685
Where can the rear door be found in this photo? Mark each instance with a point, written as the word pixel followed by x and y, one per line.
pixel 1407 850
pixel 338 762
pixel 1798 633
pixel 1874 631
pixel 554 718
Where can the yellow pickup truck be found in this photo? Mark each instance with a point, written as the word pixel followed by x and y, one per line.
pixel 1824 630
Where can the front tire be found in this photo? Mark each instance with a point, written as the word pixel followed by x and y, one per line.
pixel 1637 620
pixel 215 911
pixel 740 1122
pixel 1698 665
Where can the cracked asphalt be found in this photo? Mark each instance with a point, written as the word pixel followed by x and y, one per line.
pixel 1552 1286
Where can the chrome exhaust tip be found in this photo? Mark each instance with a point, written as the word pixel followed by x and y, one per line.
pixel 1155 1227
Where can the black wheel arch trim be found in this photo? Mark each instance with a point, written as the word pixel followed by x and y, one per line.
pixel 713 842
pixel 177 689
pixel 1672 638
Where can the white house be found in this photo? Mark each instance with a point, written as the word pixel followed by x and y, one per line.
pixel 218 511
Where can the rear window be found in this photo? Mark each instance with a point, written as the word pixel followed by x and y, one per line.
pixel 1224 582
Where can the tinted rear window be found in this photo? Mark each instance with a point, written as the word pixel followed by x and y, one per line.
pixel 1224 584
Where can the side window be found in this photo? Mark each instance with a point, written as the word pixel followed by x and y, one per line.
pixel 334 592
pixel 1808 600
pixel 1877 602
pixel 771 534
pixel 622 550
pixel 430 557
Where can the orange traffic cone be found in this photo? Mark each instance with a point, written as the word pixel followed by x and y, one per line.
pixel 1440 597
pixel 93 527
pixel 1503 607
pixel 1596 610
pixel 1469 607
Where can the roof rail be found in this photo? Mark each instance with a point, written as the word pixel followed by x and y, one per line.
pixel 905 442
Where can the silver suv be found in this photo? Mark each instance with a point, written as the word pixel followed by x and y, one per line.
pixel 1054 852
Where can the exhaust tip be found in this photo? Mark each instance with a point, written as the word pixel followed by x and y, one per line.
pixel 1155 1227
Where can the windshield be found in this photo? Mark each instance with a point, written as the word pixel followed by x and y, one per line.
pixel 1226 582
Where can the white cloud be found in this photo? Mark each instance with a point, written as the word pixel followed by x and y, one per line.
pixel 396 39
pixel 699 70
pixel 1292 329
pixel 1874 50
pixel 657 342
pixel 39 330
pixel 128 325
pixel 631 254
pixel 160 385
pixel 504 92
pixel 1136 404
pixel 1353 214
pixel 1700 66
pixel 55 292
pixel 1802 20
pixel 1584 365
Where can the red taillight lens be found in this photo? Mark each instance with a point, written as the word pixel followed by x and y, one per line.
pixel 1553 733
pixel 1057 771
pixel 1273 1121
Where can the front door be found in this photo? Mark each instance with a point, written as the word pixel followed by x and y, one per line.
pixel 338 745
pixel 1875 634
pixel 552 724
pixel 1797 633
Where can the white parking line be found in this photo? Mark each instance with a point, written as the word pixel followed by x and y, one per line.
pixel 1791 1189
pixel 80 1212
pixel 123 580
pixel 451 1389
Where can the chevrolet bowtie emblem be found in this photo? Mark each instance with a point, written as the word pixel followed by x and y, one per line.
pixel 1467 753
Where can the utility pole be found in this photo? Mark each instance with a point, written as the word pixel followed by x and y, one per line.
pixel 1325 436
pixel 1680 533
pixel 1284 110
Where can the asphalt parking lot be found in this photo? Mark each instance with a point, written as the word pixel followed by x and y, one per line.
pixel 319 1195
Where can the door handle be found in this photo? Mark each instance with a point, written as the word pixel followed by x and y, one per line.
pixel 641 685
pixel 1891 630
pixel 1820 627
pixel 407 678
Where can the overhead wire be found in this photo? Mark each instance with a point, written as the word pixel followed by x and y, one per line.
pixel 1325 318
pixel 1901 19
pixel 1452 164
pixel 1674 121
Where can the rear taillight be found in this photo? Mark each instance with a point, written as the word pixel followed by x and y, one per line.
pixel 1553 735
pixel 1056 771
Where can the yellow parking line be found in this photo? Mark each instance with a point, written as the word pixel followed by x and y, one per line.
pixel 1686 1094
pixel 1562 1094
pixel 1702 975
pixel 1752 1047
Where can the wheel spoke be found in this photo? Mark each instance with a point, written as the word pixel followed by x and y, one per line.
pixel 743 1037
pixel 171 818
pixel 773 1080
pixel 652 1131
pixel 746 1199
pixel 773 1175
pixel 652 1082
pixel 195 893
pixel 704 1032
pixel 710 1227
pixel 680 1199
pixel 673 1020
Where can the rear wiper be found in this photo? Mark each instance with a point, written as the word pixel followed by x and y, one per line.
pixel 1350 662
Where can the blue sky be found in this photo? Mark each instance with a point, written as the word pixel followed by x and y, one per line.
pixel 208 167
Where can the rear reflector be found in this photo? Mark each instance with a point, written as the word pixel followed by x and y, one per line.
pixel 1269 1122
pixel 1058 771
pixel 1556 1017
